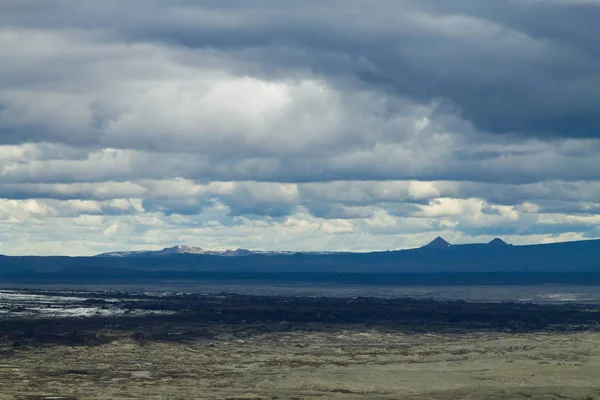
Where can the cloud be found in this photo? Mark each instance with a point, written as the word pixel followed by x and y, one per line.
pixel 297 125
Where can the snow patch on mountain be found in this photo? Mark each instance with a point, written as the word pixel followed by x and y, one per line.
pixel 183 249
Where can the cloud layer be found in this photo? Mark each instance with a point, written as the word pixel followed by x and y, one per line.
pixel 297 125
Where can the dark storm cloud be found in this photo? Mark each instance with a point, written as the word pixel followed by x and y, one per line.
pixel 530 67
pixel 500 66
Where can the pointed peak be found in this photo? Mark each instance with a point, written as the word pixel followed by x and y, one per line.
pixel 438 243
pixel 498 242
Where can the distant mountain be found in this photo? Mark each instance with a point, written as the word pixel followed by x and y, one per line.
pixel 498 243
pixel 437 243
pixel 495 259
pixel 441 243
pixel 183 249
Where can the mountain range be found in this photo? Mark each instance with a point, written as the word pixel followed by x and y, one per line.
pixel 495 262
pixel 183 249
pixel 437 243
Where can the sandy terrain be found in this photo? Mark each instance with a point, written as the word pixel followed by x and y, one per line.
pixel 346 364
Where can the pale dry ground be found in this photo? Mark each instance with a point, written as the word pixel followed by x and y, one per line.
pixel 351 364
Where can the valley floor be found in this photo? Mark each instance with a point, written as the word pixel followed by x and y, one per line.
pixel 348 364
pixel 170 357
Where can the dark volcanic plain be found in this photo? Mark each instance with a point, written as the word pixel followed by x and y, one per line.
pixel 92 345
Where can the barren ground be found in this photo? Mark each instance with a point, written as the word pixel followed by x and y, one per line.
pixel 269 358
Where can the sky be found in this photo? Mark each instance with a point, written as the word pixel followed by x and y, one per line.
pixel 297 124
